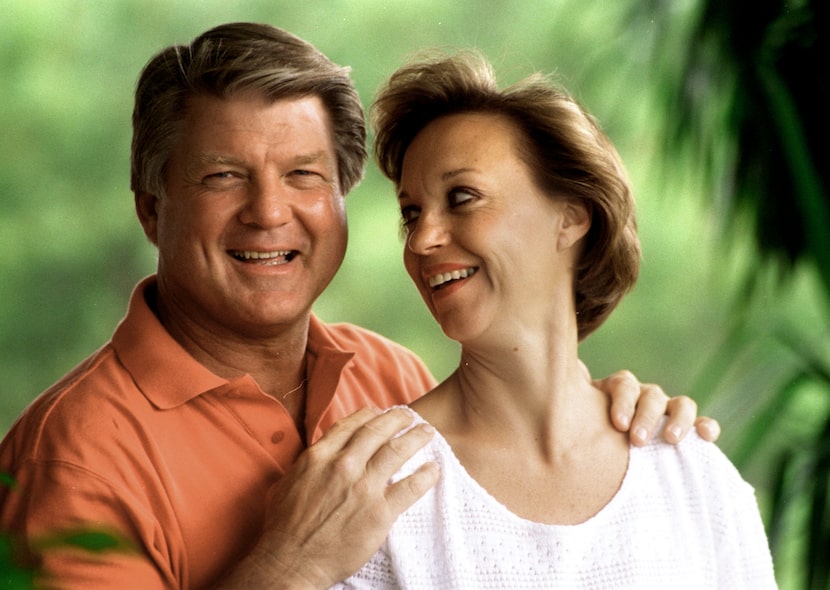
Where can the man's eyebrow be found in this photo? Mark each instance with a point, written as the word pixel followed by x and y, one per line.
pixel 215 158
pixel 220 158
pixel 310 158
pixel 206 158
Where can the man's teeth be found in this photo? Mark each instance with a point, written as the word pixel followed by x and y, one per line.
pixel 253 255
pixel 445 277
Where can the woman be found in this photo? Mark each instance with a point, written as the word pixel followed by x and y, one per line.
pixel 521 238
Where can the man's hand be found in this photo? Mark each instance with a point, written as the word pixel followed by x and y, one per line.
pixel 638 408
pixel 330 513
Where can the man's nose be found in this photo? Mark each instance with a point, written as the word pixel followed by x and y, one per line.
pixel 268 204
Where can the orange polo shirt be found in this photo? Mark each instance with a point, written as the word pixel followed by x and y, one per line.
pixel 143 440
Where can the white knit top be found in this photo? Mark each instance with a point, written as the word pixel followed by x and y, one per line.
pixel 682 518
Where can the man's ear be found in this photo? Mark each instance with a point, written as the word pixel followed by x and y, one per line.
pixel 146 206
pixel 576 221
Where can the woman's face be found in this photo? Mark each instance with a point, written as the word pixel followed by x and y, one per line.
pixel 488 250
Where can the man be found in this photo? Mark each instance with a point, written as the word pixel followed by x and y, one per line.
pixel 226 433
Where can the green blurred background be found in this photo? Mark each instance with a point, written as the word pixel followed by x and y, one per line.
pixel 720 313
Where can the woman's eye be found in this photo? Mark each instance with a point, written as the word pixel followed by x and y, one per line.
pixel 409 214
pixel 459 196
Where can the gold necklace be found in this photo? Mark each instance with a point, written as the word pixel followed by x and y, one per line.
pixel 287 393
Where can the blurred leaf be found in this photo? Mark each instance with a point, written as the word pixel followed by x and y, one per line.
pixel 819 525
pixel 7 480
pixel 13 575
pixel 759 428
pixel 91 540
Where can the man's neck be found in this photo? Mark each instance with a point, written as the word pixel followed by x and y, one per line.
pixel 276 361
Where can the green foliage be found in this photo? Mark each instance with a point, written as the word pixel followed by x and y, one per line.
pixel 88 540
pixel 709 315
pixel 18 570
pixel 13 575
pixel 749 100
pixel 7 480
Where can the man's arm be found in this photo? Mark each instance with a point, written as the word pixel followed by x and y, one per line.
pixel 332 511
pixel 638 408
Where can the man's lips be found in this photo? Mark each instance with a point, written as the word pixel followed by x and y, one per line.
pixel 264 257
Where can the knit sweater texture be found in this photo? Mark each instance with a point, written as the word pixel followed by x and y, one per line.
pixel 682 518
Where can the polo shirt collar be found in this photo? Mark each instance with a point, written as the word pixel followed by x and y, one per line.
pixel 169 376
pixel 326 363
pixel 161 368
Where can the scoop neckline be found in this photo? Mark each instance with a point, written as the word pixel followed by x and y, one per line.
pixel 598 519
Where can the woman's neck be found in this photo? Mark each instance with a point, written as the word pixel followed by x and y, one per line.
pixel 531 392
pixel 529 427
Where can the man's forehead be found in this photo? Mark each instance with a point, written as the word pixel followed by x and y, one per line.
pixel 219 129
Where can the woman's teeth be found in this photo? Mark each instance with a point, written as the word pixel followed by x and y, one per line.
pixel 445 277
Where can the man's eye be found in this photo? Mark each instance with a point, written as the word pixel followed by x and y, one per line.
pixel 308 172
pixel 220 178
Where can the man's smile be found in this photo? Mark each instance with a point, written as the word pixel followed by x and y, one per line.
pixel 272 257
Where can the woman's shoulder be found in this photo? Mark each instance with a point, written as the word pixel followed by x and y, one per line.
pixel 693 464
pixel 437 449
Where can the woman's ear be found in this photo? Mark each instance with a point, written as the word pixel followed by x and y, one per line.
pixel 146 207
pixel 576 221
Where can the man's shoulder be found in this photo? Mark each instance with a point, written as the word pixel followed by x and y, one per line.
pixel 375 360
pixel 355 338
pixel 89 403
pixel 363 342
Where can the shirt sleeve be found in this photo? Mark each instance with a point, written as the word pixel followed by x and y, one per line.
pixel 746 562
pixel 80 532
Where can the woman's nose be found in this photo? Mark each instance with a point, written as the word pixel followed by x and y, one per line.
pixel 430 231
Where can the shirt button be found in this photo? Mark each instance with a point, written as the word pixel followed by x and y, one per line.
pixel 277 437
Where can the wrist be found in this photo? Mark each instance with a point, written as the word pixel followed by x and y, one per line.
pixel 261 569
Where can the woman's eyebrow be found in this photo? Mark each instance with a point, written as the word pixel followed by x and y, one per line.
pixel 445 177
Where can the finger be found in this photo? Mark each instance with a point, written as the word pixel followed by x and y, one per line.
pixel 353 456
pixel 682 411
pixel 391 456
pixel 342 431
pixel 651 407
pixel 404 493
pixel 707 428
pixel 624 390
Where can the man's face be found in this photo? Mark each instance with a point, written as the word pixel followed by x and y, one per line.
pixel 253 225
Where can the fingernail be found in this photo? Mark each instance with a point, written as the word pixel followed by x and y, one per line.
pixel 624 420
pixel 641 433
pixel 675 432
